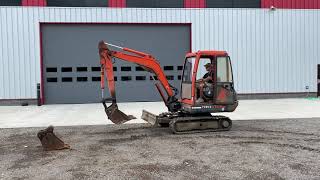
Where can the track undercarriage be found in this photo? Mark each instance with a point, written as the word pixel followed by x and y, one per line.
pixel 186 123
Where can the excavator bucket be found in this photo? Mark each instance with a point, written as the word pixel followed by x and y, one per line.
pixel 115 115
pixel 50 141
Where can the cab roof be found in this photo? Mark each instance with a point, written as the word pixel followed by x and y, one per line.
pixel 210 53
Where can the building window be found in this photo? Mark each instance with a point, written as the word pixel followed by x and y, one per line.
pixel 140 78
pixel 10 2
pixel 52 79
pixel 233 3
pixel 156 3
pixel 96 79
pixel 94 69
pixel 77 3
pixel 82 69
pixel 51 69
pixel 126 78
pixel 170 78
pixel 66 69
pixel 154 77
pixel 125 68
pixel 82 79
pixel 66 79
pixel 138 68
pixel 168 68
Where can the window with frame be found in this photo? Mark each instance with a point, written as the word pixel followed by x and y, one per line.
pixel 188 69
pixel 224 72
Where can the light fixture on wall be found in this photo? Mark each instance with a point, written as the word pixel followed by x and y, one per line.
pixel 272 8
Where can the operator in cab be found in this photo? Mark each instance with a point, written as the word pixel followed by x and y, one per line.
pixel 207 78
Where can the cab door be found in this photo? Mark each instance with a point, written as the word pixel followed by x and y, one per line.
pixel 187 79
pixel 224 89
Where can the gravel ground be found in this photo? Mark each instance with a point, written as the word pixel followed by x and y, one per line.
pixel 263 149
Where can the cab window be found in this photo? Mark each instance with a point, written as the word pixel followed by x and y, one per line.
pixel 224 72
pixel 188 69
pixel 201 67
pixel 186 86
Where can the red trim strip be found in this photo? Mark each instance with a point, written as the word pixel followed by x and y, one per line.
pixel 194 3
pixel 41 68
pixel 34 3
pixel 117 3
pixel 291 4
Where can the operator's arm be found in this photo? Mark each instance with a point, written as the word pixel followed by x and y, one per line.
pixel 205 78
pixel 209 78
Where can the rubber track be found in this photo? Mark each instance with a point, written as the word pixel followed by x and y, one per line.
pixel 200 118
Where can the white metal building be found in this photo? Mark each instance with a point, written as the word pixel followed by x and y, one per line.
pixel 272 51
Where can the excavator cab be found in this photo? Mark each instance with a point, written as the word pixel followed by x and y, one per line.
pixel 207 84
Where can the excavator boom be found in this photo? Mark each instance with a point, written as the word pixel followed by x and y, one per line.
pixel 147 62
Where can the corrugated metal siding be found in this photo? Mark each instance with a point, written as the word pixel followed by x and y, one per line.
pixel 291 4
pixel 272 51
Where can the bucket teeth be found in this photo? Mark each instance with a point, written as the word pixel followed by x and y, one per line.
pixel 50 141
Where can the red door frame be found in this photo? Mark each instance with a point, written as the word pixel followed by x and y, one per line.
pixel 41 24
pixel 318 81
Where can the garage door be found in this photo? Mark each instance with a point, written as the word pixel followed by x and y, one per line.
pixel 71 61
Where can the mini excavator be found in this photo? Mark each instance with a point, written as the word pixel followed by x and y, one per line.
pixel 206 87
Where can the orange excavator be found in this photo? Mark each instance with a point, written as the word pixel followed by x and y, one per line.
pixel 207 87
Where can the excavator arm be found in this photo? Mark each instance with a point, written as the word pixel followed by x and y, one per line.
pixel 147 62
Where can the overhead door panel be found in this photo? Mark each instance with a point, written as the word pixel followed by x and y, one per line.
pixel 71 61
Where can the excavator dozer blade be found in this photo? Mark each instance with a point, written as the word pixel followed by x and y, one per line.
pixel 50 141
pixel 115 115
